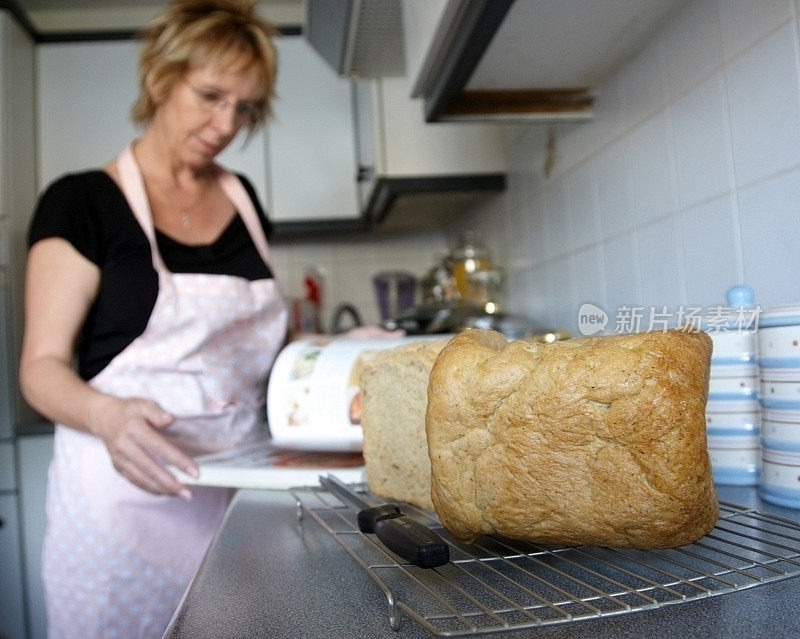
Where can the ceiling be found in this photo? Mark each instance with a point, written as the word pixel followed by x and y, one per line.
pixel 58 16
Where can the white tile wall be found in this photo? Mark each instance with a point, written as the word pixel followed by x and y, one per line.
pixel 770 227
pixel 765 106
pixel 686 182
pixel 702 151
pixel 709 242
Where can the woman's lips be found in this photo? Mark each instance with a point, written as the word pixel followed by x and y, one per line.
pixel 209 147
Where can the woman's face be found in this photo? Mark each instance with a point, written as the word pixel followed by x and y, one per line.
pixel 204 111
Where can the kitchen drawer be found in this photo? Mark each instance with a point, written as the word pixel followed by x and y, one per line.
pixel 8 479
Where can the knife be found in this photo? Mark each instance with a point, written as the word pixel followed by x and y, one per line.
pixel 401 534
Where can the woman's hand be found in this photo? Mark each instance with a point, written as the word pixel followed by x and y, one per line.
pixel 130 429
pixel 373 331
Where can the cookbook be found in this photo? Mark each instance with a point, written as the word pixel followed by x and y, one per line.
pixel 263 465
pixel 313 397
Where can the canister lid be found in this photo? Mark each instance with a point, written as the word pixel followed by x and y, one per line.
pixel 741 296
pixel 738 316
pixel 780 316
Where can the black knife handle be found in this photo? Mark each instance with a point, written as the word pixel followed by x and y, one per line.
pixel 368 517
pixel 413 541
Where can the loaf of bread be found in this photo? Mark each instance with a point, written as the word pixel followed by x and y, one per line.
pixel 597 440
pixel 393 387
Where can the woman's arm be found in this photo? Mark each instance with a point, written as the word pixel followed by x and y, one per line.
pixel 60 288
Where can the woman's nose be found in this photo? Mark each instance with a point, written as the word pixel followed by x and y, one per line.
pixel 225 119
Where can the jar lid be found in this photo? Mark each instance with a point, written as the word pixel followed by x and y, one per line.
pixel 741 295
pixel 738 316
pixel 780 316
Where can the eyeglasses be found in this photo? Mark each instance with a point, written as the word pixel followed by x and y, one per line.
pixel 214 100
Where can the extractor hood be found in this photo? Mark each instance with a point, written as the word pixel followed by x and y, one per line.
pixel 358 38
pixel 528 60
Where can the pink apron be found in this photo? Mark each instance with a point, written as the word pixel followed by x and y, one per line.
pixel 117 559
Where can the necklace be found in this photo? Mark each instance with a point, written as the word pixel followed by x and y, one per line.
pixel 174 203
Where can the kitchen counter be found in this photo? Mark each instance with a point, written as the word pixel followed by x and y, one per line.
pixel 265 575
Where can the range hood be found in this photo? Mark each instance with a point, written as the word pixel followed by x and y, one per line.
pixel 529 60
pixel 358 38
pixel 513 60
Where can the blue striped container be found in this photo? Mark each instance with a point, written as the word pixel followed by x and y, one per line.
pixel 734 447
pixel 779 395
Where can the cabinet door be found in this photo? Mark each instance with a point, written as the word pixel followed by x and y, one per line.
pixel 17 194
pixel 366 139
pixel 85 94
pixel 11 604
pixel 311 139
pixel 34 453
pixel 302 164
pixel 6 366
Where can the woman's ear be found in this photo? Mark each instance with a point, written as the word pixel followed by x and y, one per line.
pixel 155 90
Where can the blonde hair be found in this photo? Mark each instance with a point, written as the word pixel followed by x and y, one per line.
pixel 193 33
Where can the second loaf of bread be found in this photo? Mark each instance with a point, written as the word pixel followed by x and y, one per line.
pixel 596 441
pixel 394 385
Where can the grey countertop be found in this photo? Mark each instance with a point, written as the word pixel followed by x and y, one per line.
pixel 266 575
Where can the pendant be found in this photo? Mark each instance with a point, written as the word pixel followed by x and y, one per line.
pixel 185 219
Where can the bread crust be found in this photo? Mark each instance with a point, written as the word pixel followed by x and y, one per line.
pixel 597 441
pixel 393 389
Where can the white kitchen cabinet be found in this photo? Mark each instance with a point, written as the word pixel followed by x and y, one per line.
pixel 302 164
pixel 6 365
pixel 17 195
pixel 12 611
pixel 85 94
pixel 34 453
pixel 424 174
pixel 311 139
pixel 407 146
pixel 12 619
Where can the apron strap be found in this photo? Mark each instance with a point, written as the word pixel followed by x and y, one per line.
pixel 233 188
pixel 133 187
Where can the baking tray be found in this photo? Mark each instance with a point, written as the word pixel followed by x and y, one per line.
pixel 497 585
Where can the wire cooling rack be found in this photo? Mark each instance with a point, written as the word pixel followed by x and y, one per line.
pixel 496 585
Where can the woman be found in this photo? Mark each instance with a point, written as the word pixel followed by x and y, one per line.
pixel 155 272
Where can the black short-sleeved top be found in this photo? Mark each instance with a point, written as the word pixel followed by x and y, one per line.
pixel 89 211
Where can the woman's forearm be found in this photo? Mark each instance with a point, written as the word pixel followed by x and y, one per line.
pixel 57 392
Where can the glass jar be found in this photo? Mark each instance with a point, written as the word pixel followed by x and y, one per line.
pixel 485 288
pixel 439 285
pixel 468 256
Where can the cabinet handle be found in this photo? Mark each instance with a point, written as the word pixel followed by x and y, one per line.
pixel 2 523
pixel 364 173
